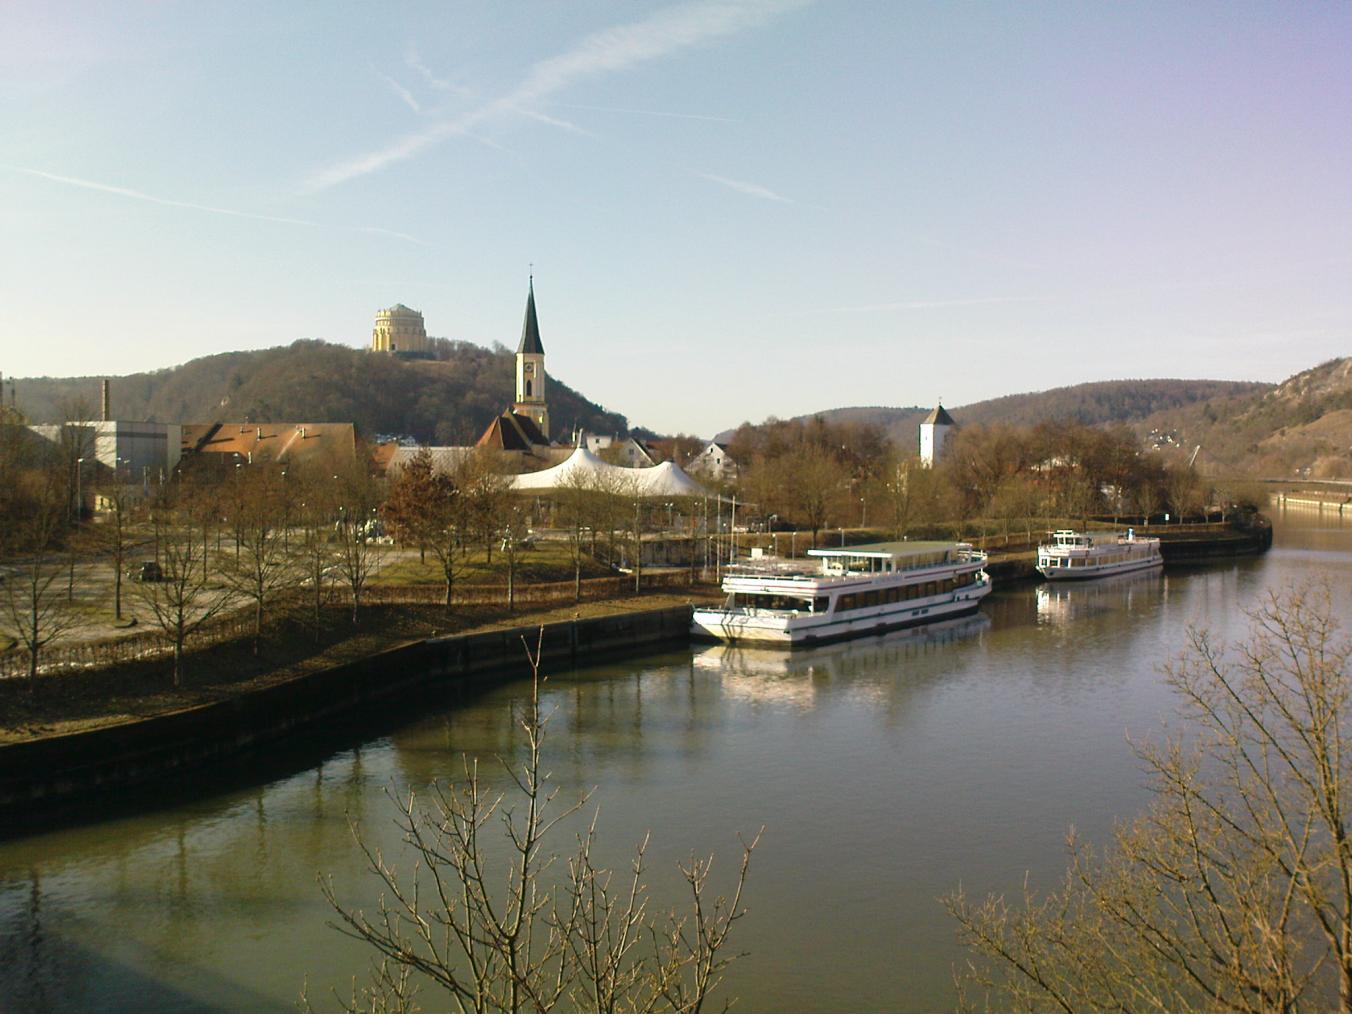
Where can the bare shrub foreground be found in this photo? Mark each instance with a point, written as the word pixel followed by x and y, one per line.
pixel 1233 892
pixel 533 932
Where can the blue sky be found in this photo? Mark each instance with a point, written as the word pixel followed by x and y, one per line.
pixel 733 209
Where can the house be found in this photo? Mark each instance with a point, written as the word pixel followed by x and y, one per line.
pixel 713 462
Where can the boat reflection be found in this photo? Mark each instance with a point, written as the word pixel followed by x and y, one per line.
pixel 794 676
pixel 1063 602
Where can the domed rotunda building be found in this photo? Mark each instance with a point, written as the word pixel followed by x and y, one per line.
pixel 399 329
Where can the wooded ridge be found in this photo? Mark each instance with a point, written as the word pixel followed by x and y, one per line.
pixel 448 400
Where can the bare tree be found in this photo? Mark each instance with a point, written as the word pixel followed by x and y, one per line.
pixel 533 936
pixel 1233 892
pixel 182 600
pixel 355 497
pixel 515 531
pixel 577 505
pixel 36 607
pixel 814 482
pixel 487 491
pixel 263 564
pixel 410 491
pixel 316 554
pixel 115 505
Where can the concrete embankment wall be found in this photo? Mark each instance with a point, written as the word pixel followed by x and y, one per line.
pixel 1188 546
pixel 51 770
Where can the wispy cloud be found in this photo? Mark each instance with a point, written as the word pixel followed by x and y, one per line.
pixel 929 304
pixel 441 84
pixel 138 195
pixel 647 112
pixel 554 121
pixel 404 94
pixel 750 189
pixel 605 52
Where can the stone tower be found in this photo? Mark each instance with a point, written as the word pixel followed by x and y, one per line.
pixel 399 329
pixel 530 369
pixel 933 432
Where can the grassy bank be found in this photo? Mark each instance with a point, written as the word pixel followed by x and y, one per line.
pixel 75 701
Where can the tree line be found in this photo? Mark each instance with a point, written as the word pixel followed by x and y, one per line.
pixel 815 474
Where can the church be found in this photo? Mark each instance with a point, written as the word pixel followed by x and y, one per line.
pixel 524 428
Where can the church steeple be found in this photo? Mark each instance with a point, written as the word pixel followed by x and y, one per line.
pixel 530 328
pixel 530 368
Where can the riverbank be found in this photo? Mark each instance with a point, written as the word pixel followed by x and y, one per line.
pixel 205 723
pixel 73 702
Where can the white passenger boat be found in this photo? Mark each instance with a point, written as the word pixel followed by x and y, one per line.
pixel 1072 556
pixel 854 591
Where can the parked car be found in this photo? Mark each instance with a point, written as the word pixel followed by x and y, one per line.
pixel 147 570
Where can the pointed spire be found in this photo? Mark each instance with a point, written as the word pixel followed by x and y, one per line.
pixel 530 329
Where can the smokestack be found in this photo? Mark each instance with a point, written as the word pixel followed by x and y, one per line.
pixel 105 403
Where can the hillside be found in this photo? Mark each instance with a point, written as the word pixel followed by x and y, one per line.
pixel 1093 404
pixel 449 400
pixel 1302 427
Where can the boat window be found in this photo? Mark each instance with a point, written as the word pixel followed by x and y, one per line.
pixel 763 600
pixel 819 604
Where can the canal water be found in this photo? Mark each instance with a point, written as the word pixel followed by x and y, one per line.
pixel 886 773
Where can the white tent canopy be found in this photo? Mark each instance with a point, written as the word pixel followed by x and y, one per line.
pixel 583 469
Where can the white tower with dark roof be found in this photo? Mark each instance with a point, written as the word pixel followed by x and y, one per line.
pixel 933 432
pixel 530 369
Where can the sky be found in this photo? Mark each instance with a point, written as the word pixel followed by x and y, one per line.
pixel 732 210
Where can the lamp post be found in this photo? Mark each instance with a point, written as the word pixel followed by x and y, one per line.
pixel 79 491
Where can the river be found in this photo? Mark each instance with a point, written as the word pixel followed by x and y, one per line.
pixel 885 772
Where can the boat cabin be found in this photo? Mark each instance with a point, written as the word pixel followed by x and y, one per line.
pixel 888 557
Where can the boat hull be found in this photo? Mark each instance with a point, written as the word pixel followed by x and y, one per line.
pixel 737 627
pixel 1110 570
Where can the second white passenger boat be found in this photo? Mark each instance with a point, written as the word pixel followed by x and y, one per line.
pixel 854 591
pixel 1079 555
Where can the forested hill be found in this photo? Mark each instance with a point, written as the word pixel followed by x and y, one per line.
pixel 449 400
pixel 1302 427
pixel 1093 404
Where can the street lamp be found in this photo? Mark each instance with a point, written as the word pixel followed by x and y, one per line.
pixel 79 492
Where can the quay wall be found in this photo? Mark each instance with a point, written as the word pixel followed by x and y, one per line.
pixel 1309 502
pixel 48 772
pixel 1190 545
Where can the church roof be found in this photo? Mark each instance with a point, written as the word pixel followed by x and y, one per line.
pixel 513 431
pixel 530 329
pixel 938 417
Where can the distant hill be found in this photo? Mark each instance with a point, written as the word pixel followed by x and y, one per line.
pixel 1094 404
pixel 449 400
pixel 1302 427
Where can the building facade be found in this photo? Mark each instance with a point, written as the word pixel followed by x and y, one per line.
pixel 934 431
pixel 399 329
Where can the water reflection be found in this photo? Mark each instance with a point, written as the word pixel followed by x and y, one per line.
pixel 796 677
pixel 1063 602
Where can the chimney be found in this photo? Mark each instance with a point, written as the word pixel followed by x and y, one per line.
pixel 105 403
